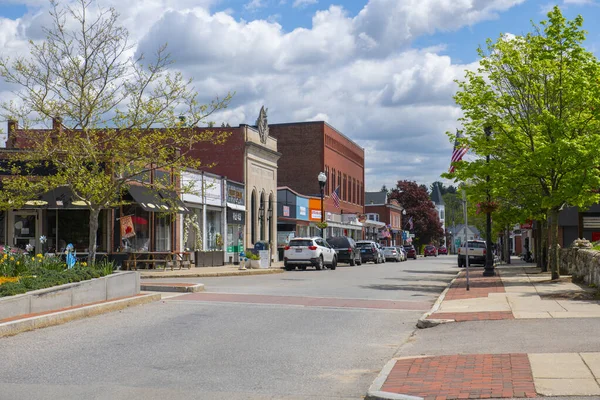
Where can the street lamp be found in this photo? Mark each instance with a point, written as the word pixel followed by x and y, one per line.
pixel 489 257
pixel 322 179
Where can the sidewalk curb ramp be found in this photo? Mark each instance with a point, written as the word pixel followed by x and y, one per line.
pixel 151 275
pixel 375 392
pixel 423 322
pixel 59 317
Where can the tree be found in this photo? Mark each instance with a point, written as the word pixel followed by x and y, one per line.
pixel 443 188
pixel 538 96
pixel 427 227
pixel 120 118
pixel 384 189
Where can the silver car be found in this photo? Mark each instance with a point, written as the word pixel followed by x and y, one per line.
pixel 392 254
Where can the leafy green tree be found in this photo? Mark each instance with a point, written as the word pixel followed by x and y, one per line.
pixel 120 118
pixel 538 95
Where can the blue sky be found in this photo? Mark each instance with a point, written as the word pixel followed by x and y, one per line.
pixel 380 71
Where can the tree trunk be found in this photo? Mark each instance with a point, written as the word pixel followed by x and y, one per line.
pixel 507 245
pixel 538 245
pixel 554 262
pixel 544 247
pixel 94 214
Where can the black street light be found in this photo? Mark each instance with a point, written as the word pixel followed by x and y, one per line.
pixel 322 179
pixel 489 256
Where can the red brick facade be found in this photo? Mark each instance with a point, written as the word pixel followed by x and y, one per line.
pixel 226 159
pixel 390 216
pixel 308 148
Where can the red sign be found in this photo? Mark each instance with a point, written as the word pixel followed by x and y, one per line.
pixel 527 225
pixel 595 236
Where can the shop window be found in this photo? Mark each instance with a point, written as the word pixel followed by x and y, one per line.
pixel 162 177
pixel 192 241
pixel 72 226
pixel 162 232
pixel 2 228
pixel 214 229
pixel 141 225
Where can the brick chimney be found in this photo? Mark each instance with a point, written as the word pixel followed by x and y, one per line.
pixel 57 124
pixel 11 136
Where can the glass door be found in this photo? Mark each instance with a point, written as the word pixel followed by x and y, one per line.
pixel 23 227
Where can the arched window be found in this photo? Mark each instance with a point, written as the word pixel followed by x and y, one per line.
pixel 271 215
pixel 261 216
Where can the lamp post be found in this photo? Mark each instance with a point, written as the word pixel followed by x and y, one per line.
pixel 489 256
pixel 322 179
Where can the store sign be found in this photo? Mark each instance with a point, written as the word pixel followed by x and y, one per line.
pixel 591 222
pixel 236 217
pixel 286 211
pixel 315 214
pixel 235 193
pixel 303 211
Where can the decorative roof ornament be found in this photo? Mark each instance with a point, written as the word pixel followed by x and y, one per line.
pixel 263 124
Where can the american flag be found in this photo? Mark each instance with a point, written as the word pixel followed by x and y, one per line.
pixel 335 195
pixel 459 150
pixel 410 224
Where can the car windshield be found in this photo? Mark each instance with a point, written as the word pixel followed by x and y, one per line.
pixel 300 243
pixel 408 247
pixel 429 247
pixel 363 244
pixel 389 248
pixel 338 241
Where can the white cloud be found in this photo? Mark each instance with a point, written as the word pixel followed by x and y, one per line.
pixel 304 3
pixel 254 4
pixel 358 73
pixel 579 2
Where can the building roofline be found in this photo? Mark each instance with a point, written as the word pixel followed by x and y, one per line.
pixel 322 123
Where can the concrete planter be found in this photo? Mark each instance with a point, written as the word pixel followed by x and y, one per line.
pixel 121 284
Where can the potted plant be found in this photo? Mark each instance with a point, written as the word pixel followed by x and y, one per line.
pixel 253 260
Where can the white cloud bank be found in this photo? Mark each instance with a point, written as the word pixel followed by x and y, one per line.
pixel 358 73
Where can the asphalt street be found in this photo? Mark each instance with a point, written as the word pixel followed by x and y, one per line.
pixel 186 348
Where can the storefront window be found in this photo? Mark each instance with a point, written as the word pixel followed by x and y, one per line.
pixel 302 231
pixel 2 228
pixel 140 219
pixel 214 230
pixel 72 226
pixel 192 243
pixel 162 232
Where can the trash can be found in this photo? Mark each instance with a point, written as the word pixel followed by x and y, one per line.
pixel 261 245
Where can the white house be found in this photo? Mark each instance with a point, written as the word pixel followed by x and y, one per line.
pixel 438 201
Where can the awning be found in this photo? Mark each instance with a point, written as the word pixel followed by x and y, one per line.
pixel 236 207
pixel 153 200
pixel 60 198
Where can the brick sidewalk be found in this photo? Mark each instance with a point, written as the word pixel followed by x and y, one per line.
pixel 476 376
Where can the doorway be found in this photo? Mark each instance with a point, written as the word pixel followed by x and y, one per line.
pixel 23 229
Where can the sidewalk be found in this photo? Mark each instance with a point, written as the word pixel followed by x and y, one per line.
pixel 518 291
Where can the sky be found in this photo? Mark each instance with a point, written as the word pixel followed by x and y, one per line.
pixel 380 71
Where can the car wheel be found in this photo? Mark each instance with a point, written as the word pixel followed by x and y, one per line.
pixel 302 268
pixel 352 262
pixel 359 261
pixel 287 266
pixel 319 265
pixel 333 264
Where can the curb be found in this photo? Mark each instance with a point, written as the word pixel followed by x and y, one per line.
pixel 375 393
pixel 42 321
pixel 423 322
pixel 169 287
pixel 215 274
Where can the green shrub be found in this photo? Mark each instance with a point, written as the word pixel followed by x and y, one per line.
pixel 252 256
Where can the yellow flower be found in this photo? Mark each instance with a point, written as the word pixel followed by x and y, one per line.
pixel 84 264
pixel 32 258
pixel 18 262
pixel 12 259
pixel 39 256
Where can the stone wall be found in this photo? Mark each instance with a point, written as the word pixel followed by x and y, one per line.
pixel 582 264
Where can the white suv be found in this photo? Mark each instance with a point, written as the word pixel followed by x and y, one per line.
pixel 303 252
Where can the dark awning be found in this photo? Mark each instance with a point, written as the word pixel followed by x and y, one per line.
pixel 60 198
pixel 154 200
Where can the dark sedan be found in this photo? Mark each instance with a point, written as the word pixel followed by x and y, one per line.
pixel 346 249
pixel 411 252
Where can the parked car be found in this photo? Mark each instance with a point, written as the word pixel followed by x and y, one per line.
pixel 392 254
pixel 303 252
pixel 346 249
pixel 442 250
pixel 402 253
pixel 477 251
pixel 411 252
pixel 430 251
pixel 369 251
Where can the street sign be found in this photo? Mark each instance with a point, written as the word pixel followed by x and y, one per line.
pixel 412 235
pixel 457 242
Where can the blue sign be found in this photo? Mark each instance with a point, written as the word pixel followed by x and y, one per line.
pixel 404 235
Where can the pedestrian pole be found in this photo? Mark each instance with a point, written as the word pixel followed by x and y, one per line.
pixel 464 196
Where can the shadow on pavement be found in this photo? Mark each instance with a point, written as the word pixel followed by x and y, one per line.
pixel 424 271
pixel 415 288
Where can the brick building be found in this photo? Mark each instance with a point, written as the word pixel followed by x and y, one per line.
pixel 379 208
pixel 308 148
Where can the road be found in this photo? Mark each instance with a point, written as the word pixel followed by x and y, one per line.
pixel 297 335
